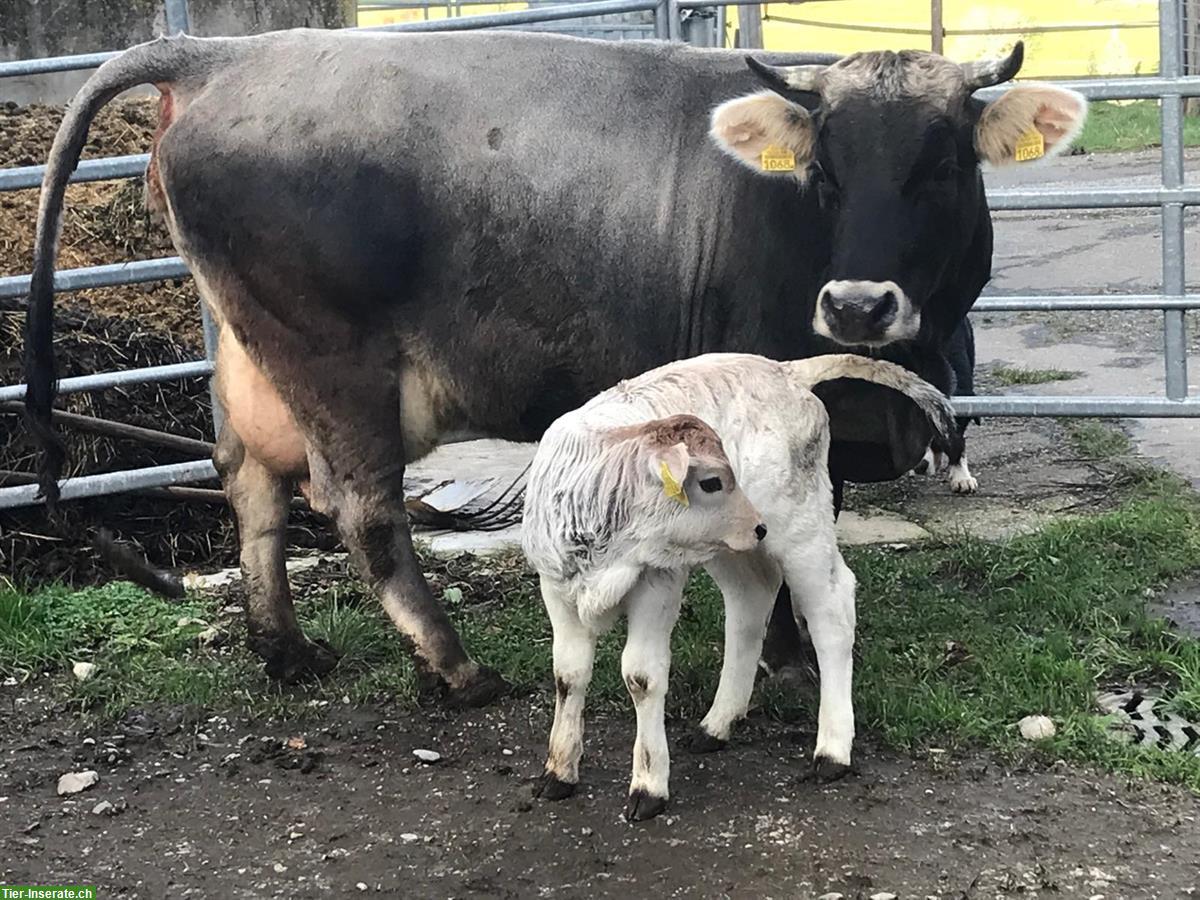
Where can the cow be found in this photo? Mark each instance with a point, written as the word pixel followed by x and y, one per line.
pixel 630 492
pixel 407 237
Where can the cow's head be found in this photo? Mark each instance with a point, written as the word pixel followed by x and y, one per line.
pixel 892 143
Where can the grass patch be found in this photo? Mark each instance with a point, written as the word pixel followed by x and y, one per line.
pixel 1097 440
pixel 1014 375
pixel 957 641
pixel 1129 126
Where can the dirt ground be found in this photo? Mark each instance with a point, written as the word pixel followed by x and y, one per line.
pixel 206 807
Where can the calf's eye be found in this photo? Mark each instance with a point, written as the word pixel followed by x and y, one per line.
pixel 710 485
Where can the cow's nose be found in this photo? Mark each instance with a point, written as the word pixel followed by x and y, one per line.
pixel 870 308
pixel 760 531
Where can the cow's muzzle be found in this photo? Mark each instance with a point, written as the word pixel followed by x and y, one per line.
pixel 871 313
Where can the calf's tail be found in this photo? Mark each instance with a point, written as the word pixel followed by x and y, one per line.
pixel 160 62
pixel 808 373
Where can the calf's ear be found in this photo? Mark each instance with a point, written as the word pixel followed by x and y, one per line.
pixel 1029 122
pixel 766 133
pixel 670 467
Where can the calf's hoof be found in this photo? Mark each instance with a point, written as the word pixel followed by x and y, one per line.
pixel 642 806
pixel 483 688
pixel 550 787
pixel 703 742
pixel 824 770
pixel 294 659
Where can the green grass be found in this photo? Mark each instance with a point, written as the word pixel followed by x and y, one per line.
pixel 1037 623
pixel 1129 126
pixel 1097 440
pixel 1012 375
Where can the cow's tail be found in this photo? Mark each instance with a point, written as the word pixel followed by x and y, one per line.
pixel 159 62
pixel 808 373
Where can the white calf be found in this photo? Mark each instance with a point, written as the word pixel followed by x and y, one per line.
pixel 599 549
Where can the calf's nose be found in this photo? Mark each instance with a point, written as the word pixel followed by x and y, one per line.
pixel 760 531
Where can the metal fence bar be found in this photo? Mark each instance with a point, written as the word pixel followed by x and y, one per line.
pixel 1149 87
pixel 107 169
pixel 1066 302
pixel 113 483
pixel 1115 407
pixel 523 16
pixel 136 272
pixel 99 380
pixel 1107 198
pixel 21 68
pixel 1174 324
pixel 1172 196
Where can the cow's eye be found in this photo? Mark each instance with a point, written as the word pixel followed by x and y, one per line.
pixel 710 485
pixel 945 170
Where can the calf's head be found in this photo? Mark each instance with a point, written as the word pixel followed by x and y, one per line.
pixel 891 143
pixel 687 506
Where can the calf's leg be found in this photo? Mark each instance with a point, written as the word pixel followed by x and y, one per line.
pixel 823 590
pixel 652 608
pixel 749 583
pixel 260 501
pixel 574 651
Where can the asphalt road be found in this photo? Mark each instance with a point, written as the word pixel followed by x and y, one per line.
pixel 1086 251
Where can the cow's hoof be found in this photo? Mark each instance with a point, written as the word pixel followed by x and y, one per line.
pixel 485 687
pixel 550 787
pixel 642 806
pixel 294 659
pixel 703 742
pixel 825 770
pixel 963 484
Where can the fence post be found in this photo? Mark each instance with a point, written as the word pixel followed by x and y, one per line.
pixel 937 30
pixel 1174 323
pixel 750 34
pixel 179 21
pixel 177 16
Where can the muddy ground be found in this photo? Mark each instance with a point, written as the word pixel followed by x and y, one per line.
pixel 206 807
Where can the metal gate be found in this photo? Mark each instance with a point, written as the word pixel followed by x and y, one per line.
pixel 1171 196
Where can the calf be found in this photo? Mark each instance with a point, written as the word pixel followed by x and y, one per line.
pixel 622 503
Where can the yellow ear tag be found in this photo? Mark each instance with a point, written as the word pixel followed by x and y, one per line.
pixel 778 159
pixel 1031 145
pixel 671 487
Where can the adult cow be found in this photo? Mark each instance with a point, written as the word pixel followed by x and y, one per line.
pixel 408 236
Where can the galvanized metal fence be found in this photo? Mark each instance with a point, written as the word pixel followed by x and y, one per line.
pixel 1171 196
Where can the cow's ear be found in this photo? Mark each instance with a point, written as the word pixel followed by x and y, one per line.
pixel 670 467
pixel 1029 122
pixel 765 132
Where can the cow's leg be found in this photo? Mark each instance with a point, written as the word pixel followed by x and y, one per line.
pixel 749 584
pixel 260 501
pixel 823 592
pixel 364 496
pixel 574 650
pixel 652 608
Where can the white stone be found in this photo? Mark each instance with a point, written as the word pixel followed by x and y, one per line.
pixel 1036 728
pixel 361 886
pixel 83 670
pixel 102 807
pixel 408 837
pixel 74 782
pixel 883 895
pixel 427 756
pixel 832 895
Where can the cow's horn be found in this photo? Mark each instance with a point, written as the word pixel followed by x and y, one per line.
pixel 787 79
pixel 987 72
